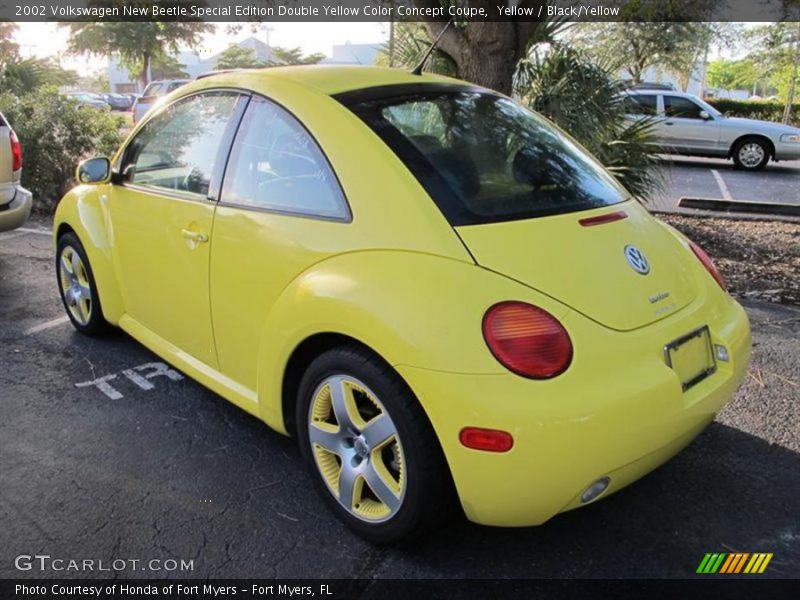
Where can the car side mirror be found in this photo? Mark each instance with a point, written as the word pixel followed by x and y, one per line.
pixel 94 171
pixel 704 115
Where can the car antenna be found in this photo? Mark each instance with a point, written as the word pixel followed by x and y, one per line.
pixel 418 69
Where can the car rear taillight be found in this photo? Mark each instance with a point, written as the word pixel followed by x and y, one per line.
pixel 16 152
pixel 708 264
pixel 527 340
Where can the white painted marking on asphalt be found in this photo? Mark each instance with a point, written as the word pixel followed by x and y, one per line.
pixel 139 376
pixel 140 381
pixel 726 195
pixel 10 235
pixel 46 325
pixel 101 383
pixel 35 231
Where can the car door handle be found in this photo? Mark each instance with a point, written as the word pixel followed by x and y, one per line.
pixel 196 236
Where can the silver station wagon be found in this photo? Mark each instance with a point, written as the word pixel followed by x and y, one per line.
pixel 692 127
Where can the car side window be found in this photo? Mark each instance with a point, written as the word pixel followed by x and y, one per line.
pixel 276 165
pixel 177 149
pixel 676 106
pixel 641 104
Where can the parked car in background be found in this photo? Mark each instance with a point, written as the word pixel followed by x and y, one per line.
pixel 15 201
pixel 118 101
pixel 152 93
pixel 690 126
pixel 85 99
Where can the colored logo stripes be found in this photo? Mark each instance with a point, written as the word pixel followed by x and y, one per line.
pixel 735 562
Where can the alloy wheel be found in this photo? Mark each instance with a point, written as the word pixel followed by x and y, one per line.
pixel 751 155
pixel 75 287
pixel 357 449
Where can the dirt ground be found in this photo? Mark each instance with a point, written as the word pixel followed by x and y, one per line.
pixel 758 259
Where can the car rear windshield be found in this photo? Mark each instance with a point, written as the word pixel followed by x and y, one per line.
pixel 484 159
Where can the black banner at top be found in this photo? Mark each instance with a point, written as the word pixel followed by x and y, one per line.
pixel 398 10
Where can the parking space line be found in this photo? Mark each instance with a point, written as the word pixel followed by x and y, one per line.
pixel 46 325
pixel 35 231
pixel 723 188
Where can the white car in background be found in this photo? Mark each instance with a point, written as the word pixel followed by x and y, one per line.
pixel 154 91
pixel 15 201
pixel 687 125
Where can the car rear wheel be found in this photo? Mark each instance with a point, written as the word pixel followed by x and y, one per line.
pixel 77 287
pixel 751 154
pixel 372 451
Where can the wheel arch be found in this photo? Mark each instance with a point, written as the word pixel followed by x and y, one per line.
pixel 83 213
pixel 752 136
pixel 299 360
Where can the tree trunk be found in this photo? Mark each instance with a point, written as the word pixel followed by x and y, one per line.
pixel 144 77
pixel 486 53
pixel 493 70
pixel 787 112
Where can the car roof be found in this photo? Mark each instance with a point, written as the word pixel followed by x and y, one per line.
pixel 330 79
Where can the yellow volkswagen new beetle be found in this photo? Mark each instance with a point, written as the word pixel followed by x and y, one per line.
pixel 437 292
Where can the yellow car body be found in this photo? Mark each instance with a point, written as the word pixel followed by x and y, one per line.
pixel 242 313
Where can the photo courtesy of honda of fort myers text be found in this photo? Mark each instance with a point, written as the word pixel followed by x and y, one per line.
pixel 390 298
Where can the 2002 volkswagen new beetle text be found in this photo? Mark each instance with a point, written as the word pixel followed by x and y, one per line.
pixel 438 293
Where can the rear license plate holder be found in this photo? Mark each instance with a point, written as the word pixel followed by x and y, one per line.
pixel 691 356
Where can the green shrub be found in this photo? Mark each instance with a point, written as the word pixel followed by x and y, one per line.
pixel 56 134
pixel 765 110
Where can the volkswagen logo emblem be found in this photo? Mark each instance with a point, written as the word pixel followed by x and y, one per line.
pixel 636 259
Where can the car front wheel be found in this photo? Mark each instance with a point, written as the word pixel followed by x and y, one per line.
pixel 77 287
pixel 372 451
pixel 751 154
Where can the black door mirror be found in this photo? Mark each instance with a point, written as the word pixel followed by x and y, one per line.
pixel 94 171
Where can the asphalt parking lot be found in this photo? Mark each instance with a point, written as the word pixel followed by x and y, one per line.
pixel 689 177
pixel 155 467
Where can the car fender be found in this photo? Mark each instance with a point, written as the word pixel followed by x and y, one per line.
pixel 413 309
pixel 84 209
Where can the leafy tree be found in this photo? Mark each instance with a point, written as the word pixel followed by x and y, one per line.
pixel 168 67
pixel 22 75
pixel 733 74
pixel 294 56
pixel 8 47
pixel 236 57
pixel 137 44
pixel 777 52
pixel 636 46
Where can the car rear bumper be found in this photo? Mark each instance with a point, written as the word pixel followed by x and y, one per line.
pixel 620 418
pixel 15 213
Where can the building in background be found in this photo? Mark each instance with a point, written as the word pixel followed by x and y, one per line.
pixel 353 54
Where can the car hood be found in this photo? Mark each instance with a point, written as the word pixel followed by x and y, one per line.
pixel 757 126
pixel 586 266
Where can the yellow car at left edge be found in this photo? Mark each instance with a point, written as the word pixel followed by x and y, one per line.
pixel 440 294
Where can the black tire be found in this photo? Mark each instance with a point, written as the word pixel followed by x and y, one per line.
pixel 96 324
pixel 429 496
pixel 750 161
